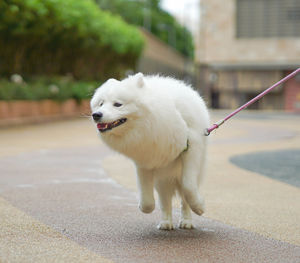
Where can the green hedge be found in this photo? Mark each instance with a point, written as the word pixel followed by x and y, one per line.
pixel 56 88
pixel 65 36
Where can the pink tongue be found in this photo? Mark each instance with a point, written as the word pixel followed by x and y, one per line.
pixel 101 125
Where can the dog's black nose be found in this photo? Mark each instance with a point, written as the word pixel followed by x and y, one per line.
pixel 97 116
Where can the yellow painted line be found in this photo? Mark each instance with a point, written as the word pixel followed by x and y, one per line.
pixel 24 239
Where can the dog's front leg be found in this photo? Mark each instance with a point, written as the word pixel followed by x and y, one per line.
pixel 145 187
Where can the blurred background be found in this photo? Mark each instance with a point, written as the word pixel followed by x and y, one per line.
pixel 54 53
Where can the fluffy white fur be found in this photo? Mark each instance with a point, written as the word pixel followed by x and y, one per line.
pixel 163 116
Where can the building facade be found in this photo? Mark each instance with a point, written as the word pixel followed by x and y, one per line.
pixel 245 46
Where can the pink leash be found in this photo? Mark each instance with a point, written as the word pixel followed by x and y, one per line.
pixel 219 123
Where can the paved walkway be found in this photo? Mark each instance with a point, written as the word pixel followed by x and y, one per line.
pixel 65 197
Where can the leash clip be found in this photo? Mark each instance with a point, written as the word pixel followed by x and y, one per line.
pixel 214 126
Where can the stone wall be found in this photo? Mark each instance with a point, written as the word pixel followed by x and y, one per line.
pixel 24 112
pixel 160 58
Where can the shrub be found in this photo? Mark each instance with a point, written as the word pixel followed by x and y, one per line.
pixel 65 36
pixel 57 88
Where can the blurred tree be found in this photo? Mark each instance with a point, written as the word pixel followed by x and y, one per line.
pixel 57 37
pixel 149 14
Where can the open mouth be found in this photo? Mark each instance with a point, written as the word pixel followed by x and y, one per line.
pixel 102 127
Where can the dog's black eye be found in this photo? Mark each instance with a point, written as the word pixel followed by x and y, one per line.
pixel 101 103
pixel 117 104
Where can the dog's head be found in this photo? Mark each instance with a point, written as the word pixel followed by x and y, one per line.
pixel 117 103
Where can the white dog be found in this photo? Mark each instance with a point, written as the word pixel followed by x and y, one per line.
pixel 159 123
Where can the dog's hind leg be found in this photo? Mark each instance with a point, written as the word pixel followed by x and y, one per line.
pixel 165 191
pixel 193 170
pixel 186 216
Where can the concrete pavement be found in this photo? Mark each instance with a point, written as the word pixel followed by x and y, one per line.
pixel 65 197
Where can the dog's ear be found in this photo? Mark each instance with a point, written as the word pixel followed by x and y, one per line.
pixel 140 79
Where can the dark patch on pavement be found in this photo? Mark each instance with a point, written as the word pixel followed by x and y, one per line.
pixel 69 191
pixel 283 165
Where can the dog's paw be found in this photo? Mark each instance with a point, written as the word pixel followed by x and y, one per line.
pixel 165 225
pixel 198 208
pixel 186 224
pixel 147 208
